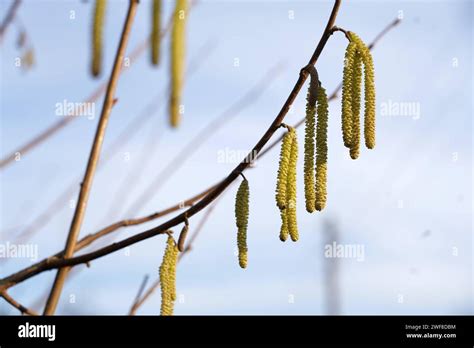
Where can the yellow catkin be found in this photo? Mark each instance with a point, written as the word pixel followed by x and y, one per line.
pixel 285 154
pixel 168 277
pixel 347 95
pixel 321 149
pixel 309 146
pixel 355 98
pixel 291 189
pixel 177 60
pixel 155 32
pixel 369 91
pixel 97 32
pixel 242 218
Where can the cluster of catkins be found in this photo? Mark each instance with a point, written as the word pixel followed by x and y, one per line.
pixel 357 54
pixel 315 159
pixel 286 185
pixel 316 145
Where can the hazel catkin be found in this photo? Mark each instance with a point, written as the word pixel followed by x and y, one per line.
pixel 347 93
pixel 168 277
pixel 97 33
pixel 321 149
pixel 355 99
pixel 177 60
pixel 155 37
pixel 242 217
pixel 310 123
pixel 291 190
pixel 369 90
pixel 285 154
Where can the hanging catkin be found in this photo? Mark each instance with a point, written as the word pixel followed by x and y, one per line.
pixel 155 32
pixel 291 189
pixel 168 277
pixel 242 218
pixel 310 123
pixel 285 174
pixel 355 98
pixel 97 32
pixel 347 94
pixel 369 90
pixel 285 154
pixel 321 149
pixel 177 60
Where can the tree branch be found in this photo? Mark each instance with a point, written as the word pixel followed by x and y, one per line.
pixel 17 305
pixel 211 196
pixel 93 160
pixel 50 262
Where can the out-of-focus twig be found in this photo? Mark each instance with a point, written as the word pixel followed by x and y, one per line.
pixel 17 305
pixel 9 17
pixel 94 156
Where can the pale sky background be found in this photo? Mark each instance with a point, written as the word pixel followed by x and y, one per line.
pixel 408 202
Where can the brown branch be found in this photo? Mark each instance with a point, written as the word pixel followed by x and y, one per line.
pixel 48 264
pixel 17 305
pixel 59 125
pixel 10 16
pixel 211 196
pixel 93 160
pixel 140 300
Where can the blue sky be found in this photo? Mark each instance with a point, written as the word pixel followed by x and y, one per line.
pixel 408 202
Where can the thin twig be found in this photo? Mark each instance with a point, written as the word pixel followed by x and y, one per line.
pixel 93 160
pixel 10 16
pixel 17 305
